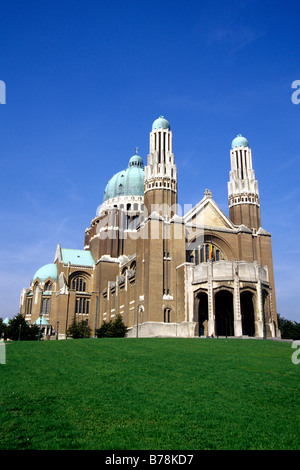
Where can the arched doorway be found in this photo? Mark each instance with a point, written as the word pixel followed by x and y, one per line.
pixel 247 312
pixel 203 313
pixel 224 313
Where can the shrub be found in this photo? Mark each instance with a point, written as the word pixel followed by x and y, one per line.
pixel 112 329
pixel 79 330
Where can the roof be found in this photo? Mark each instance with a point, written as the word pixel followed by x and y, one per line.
pixel 77 257
pixel 161 123
pixel 41 321
pixel 49 270
pixel 239 141
pixel 128 182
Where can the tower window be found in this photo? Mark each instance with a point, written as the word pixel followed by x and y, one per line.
pixel 133 265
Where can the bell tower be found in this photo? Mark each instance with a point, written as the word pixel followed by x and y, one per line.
pixel 161 173
pixel 243 195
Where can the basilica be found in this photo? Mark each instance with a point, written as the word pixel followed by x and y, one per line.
pixel 168 274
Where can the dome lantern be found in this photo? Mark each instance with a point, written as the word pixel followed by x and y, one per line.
pixel 239 141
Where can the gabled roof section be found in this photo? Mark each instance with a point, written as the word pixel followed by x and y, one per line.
pixel 41 321
pixel 74 257
pixel 207 213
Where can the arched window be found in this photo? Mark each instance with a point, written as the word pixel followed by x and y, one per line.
pixel 79 284
pixel 133 265
pixel 48 286
pixel 167 315
pixel 28 306
pixel 205 252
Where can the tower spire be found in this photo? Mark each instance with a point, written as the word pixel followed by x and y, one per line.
pixel 161 171
pixel 243 195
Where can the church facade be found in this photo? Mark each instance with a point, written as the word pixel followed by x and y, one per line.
pixel 167 274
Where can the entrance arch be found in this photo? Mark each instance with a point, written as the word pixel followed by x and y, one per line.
pixel 247 312
pixel 224 313
pixel 202 314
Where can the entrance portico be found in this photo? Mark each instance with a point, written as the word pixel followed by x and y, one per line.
pixel 231 298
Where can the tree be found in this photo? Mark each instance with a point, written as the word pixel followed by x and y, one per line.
pixel 289 329
pixel 105 330
pixel 112 329
pixel 79 330
pixel 18 328
pixel 119 328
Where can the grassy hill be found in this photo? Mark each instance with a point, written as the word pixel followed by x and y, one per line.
pixel 152 394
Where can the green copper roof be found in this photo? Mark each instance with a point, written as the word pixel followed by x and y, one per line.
pixel 239 141
pixel 49 270
pixel 128 182
pixel 77 257
pixel 136 160
pixel 161 123
pixel 41 321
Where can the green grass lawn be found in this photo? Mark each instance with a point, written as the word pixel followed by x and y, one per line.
pixel 149 394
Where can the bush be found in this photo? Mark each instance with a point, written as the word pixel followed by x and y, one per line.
pixel 112 329
pixel 79 330
pixel 18 328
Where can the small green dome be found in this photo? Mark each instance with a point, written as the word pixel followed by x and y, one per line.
pixel 239 141
pixel 49 270
pixel 128 182
pixel 161 123
pixel 136 160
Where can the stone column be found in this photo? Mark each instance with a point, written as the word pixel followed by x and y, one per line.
pixel 258 315
pixel 237 318
pixel 210 299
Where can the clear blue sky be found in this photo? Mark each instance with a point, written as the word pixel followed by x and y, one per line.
pixel 86 79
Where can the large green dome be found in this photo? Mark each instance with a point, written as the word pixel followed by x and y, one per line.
pixel 128 182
